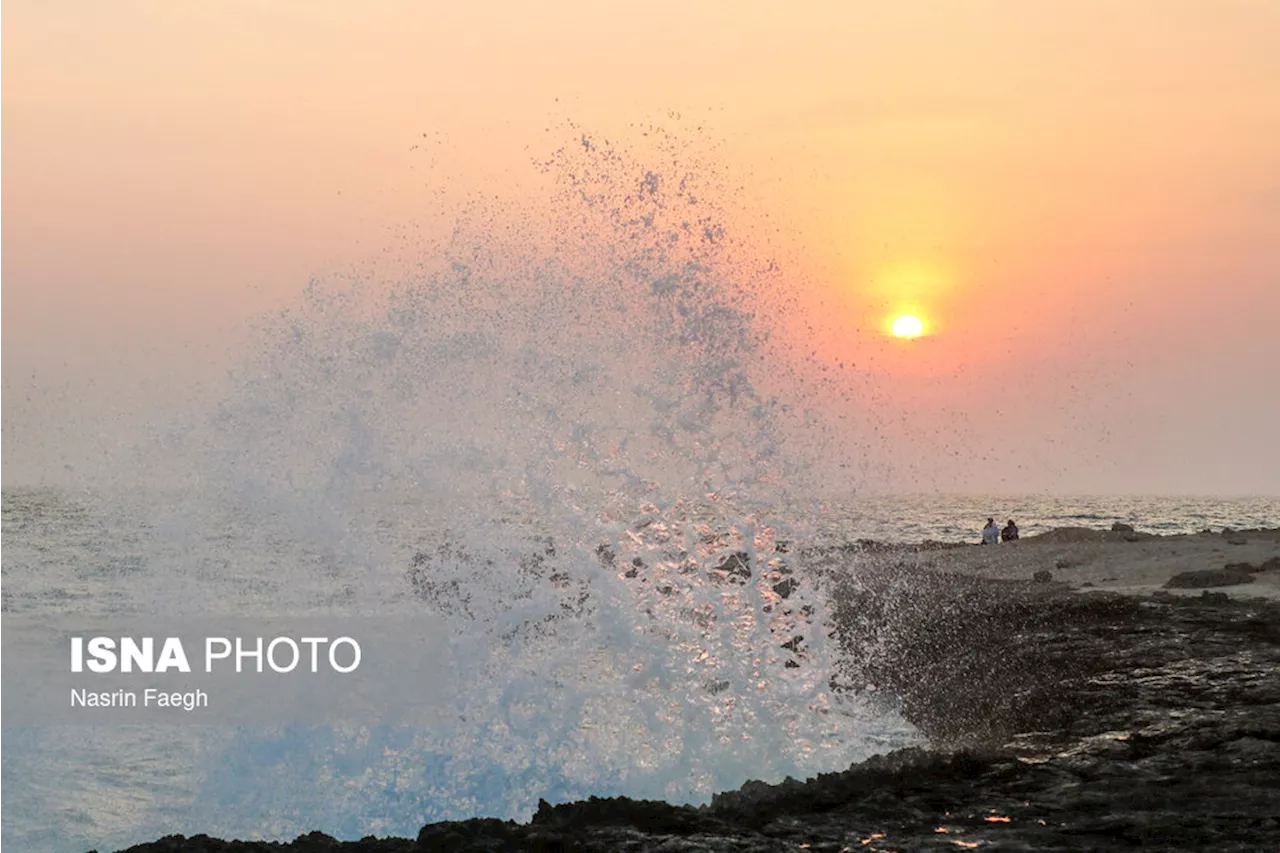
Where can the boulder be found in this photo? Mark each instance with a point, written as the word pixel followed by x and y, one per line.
pixel 1121 527
pixel 735 567
pixel 1042 576
pixel 1202 578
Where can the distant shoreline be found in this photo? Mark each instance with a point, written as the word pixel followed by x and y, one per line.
pixel 1088 559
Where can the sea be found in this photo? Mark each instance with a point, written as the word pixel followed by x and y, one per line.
pixel 102 556
pixel 573 480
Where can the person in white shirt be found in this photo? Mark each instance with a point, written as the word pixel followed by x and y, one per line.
pixel 991 533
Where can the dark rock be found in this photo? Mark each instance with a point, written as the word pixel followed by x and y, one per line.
pixel 1062 564
pixel 736 567
pixel 1236 540
pixel 1214 597
pixel 317 841
pixel 1042 576
pixel 652 816
pixel 450 836
pixel 1242 568
pixel 1271 565
pixel 1207 577
pixel 1121 527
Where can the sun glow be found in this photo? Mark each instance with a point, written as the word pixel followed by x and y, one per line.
pixel 908 326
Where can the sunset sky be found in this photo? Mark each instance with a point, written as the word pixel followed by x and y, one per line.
pixel 1079 199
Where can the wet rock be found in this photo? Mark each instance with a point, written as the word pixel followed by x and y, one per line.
pixel 606 555
pixel 450 836
pixel 735 567
pixel 1271 565
pixel 1062 564
pixel 1208 577
pixel 637 565
pixel 1042 576
pixel 1121 527
pixel 794 644
pixel 784 588
pixel 313 842
pixel 597 816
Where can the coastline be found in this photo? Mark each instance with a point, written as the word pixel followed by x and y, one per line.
pixel 1089 559
pixel 1096 710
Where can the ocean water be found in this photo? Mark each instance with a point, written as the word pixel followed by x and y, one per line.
pixel 594 684
pixel 585 461
pixel 102 555
pixel 960 518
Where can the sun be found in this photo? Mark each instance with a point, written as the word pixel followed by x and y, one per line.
pixel 908 326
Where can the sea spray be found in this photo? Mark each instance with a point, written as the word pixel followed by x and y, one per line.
pixel 576 445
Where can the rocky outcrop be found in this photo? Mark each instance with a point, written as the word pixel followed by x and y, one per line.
pixel 1231 575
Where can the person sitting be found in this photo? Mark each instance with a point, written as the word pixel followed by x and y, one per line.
pixel 1010 532
pixel 991 533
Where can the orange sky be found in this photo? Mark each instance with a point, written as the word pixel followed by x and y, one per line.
pixel 1082 200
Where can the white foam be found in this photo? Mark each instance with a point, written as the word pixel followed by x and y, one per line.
pixel 615 390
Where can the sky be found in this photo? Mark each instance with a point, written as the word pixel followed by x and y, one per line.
pixel 1081 201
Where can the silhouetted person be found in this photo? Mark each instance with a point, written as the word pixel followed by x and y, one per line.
pixel 1010 532
pixel 991 533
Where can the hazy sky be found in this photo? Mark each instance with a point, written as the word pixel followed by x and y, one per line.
pixel 1081 200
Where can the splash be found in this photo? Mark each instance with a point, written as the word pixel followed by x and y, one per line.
pixel 573 439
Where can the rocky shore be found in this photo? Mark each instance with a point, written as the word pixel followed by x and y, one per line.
pixel 1064 716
